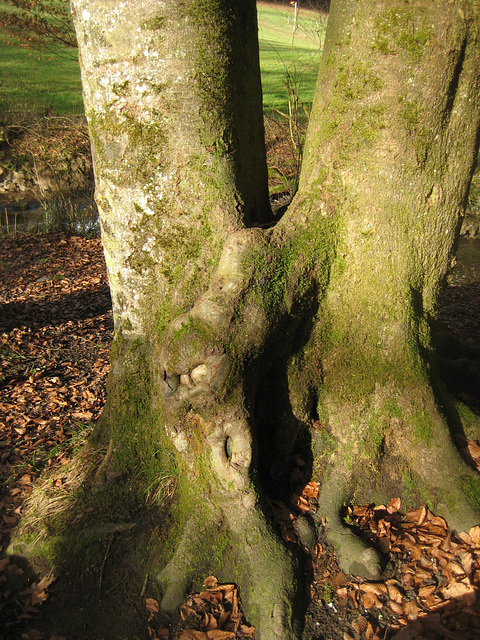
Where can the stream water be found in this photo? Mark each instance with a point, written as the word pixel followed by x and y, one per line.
pixel 77 215
pixel 20 216
pixel 467 268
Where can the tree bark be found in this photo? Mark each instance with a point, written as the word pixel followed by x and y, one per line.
pixel 391 148
pixel 239 344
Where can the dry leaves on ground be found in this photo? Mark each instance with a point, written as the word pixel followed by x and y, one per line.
pixel 55 335
pixel 303 499
pixel 213 614
pixel 433 579
pixel 27 596
pixel 435 576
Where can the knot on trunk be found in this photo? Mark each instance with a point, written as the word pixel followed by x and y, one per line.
pixel 194 366
pixel 231 453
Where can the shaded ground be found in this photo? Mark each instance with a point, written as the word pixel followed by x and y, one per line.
pixel 55 333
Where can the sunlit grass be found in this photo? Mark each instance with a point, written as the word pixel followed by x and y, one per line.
pixel 288 55
pixel 31 79
pixel 39 80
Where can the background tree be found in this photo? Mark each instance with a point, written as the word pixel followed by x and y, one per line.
pixel 241 340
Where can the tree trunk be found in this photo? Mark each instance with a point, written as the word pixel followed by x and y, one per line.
pixel 391 147
pixel 173 98
pixel 239 344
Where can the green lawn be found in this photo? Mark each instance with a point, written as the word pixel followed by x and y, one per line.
pixel 285 53
pixel 40 80
pixel 34 79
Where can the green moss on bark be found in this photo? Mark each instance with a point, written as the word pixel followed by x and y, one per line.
pixel 401 29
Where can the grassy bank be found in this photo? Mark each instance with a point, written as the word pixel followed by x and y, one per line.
pixel 49 80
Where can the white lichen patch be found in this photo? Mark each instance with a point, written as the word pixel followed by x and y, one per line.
pixel 149 244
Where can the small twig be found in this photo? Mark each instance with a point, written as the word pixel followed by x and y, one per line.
pixel 109 543
pixel 144 587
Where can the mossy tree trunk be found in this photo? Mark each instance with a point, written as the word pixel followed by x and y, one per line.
pixel 392 142
pixel 239 343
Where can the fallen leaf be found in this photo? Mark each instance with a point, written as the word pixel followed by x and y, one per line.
pixel 218 634
pixel 396 607
pixel 191 634
pixel 302 504
pixel 38 597
pixel 209 622
pixel 418 515
pixel 369 633
pixel 4 562
pixel 246 630
pixel 394 593
pixel 360 511
pixel 289 535
pixel 370 600
pixel 152 605
pixel 227 588
pixel 425 592
pixel 394 505
pixel 474 534
pixel 187 611
pixel 411 610
pixel 210 583
pixel 463 535
pixel 214 597
pixel 462 590
pixel 377 588
pixel 45 582
pixel 473 448
pixel 310 490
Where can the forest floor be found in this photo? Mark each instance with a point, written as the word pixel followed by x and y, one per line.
pixel 55 334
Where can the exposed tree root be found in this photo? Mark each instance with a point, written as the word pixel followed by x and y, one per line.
pixel 176 577
pixel 440 470
pixel 354 556
pixel 195 367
